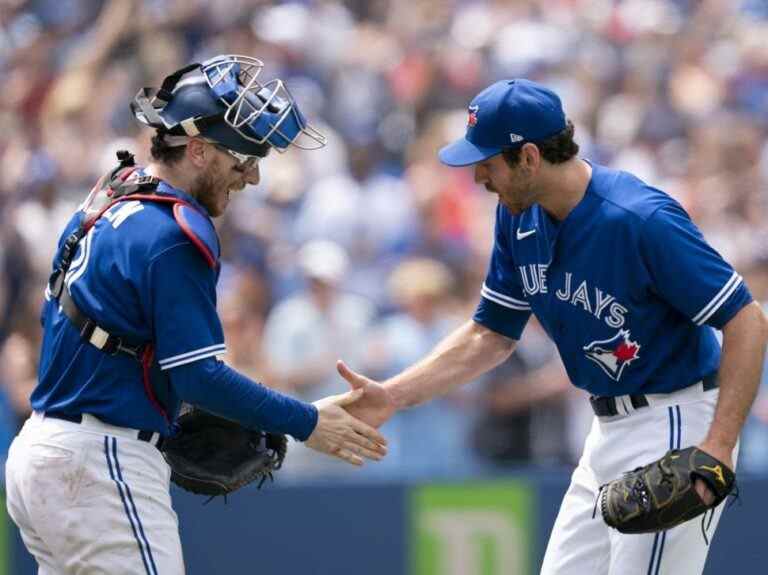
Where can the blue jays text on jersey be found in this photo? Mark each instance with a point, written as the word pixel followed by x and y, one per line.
pixel 626 286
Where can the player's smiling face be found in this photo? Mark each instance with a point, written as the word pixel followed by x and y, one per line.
pixel 513 185
pixel 222 176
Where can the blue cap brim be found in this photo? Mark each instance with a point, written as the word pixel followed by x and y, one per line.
pixel 464 153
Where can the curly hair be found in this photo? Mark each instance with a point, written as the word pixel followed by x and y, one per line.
pixel 557 149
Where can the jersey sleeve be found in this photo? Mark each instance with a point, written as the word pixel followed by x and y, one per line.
pixel 502 306
pixel 185 323
pixel 687 272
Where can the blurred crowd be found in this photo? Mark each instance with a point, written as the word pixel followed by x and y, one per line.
pixel 369 250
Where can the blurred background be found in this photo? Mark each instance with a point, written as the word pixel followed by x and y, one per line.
pixel 370 250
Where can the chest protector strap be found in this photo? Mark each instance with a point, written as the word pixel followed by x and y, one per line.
pixel 123 184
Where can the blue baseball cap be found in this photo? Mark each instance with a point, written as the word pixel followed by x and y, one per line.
pixel 506 114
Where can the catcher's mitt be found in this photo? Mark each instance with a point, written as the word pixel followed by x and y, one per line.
pixel 213 456
pixel 662 494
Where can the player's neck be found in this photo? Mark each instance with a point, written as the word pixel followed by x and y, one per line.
pixel 565 186
pixel 177 177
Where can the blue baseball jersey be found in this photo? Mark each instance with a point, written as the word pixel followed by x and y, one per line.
pixel 626 286
pixel 139 276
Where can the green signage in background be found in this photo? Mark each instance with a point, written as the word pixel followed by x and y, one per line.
pixel 476 528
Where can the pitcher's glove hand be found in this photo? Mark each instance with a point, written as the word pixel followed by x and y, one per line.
pixel 213 456
pixel 662 494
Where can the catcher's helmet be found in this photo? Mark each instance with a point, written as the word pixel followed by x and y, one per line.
pixel 222 100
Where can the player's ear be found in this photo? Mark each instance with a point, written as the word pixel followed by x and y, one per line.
pixel 530 156
pixel 198 152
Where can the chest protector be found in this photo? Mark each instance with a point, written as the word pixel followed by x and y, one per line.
pixel 125 184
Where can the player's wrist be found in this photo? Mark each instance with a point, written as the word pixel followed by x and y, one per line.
pixel 397 394
pixel 720 449
pixel 309 423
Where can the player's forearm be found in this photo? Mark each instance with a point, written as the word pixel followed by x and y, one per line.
pixel 216 387
pixel 468 352
pixel 741 366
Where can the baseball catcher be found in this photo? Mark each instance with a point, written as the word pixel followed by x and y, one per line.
pixel 208 454
pixel 663 494
pixel 132 333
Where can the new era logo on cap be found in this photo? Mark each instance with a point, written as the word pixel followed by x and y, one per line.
pixel 506 114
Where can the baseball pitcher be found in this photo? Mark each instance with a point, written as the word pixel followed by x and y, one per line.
pixel 631 293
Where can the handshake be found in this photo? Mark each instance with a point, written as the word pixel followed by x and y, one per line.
pixel 346 423
pixel 215 456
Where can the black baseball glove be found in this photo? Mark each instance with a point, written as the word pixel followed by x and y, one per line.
pixel 213 456
pixel 662 494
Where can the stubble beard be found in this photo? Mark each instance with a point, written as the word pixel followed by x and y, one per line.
pixel 205 190
pixel 523 198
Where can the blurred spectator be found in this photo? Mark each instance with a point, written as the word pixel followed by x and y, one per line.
pixel 306 333
pixel 17 379
pixel 15 278
pixel 754 440
pixel 432 438
pixel 243 300
pixel 523 418
pixel 753 456
pixel 41 215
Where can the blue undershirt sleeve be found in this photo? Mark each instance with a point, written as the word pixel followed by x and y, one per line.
pixel 216 387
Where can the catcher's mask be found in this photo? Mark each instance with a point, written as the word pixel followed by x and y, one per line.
pixel 222 100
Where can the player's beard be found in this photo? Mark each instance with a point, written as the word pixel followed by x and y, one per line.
pixel 519 192
pixel 209 190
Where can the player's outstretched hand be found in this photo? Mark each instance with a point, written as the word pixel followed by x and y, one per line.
pixel 376 405
pixel 339 434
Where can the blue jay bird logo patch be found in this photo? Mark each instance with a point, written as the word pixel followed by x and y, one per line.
pixel 614 354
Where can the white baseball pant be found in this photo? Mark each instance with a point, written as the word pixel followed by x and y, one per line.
pixel 580 544
pixel 92 498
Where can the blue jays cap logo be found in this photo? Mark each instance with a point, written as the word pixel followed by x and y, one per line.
pixel 614 354
pixel 472 120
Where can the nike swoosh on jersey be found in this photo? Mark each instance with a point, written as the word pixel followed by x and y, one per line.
pixel 523 235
